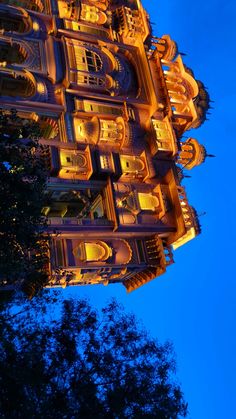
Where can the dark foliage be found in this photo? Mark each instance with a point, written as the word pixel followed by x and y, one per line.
pixel 82 364
pixel 23 177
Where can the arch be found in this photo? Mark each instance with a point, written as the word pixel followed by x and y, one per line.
pixel 12 23
pixel 34 5
pixel 131 164
pixel 12 53
pixel 16 84
pixel 93 251
pixel 86 65
pixel 14 20
pixel 49 128
pixel 87 60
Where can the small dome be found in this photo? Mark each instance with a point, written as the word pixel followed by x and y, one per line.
pixel 202 104
pixel 201 101
pixel 192 153
pixel 171 48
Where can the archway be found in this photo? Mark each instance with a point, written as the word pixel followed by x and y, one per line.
pixel 16 84
pixel 12 53
pixel 14 20
pixel 35 5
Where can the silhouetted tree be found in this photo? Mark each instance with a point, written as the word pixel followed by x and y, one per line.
pixel 23 176
pixel 84 364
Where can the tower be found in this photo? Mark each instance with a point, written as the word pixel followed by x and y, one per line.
pixel 112 102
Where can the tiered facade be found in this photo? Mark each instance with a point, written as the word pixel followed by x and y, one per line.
pixel 112 102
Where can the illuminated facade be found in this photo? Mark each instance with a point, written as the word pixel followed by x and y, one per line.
pixel 112 102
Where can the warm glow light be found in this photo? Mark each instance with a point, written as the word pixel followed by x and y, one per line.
pixel 148 201
pixel 40 87
pixel 191 233
pixel 36 26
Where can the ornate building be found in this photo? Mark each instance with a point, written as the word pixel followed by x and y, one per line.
pixel 112 102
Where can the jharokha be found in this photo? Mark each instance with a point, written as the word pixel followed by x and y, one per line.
pixel 113 102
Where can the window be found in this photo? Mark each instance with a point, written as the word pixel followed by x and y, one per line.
pixel 87 60
pixel 90 80
pixel 99 108
pixel 162 135
pixel 89 13
pixel 110 130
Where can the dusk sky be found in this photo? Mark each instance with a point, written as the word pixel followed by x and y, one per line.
pixel 194 303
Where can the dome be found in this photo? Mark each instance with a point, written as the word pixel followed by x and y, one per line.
pixel 201 101
pixel 192 153
pixel 171 49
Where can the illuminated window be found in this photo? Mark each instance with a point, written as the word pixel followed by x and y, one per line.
pixel 89 13
pixel 162 135
pixel 90 80
pixel 104 161
pixel 77 26
pixel 131 164
pixel 148 201
pixel 87 60
pixel 72 158
pixel 110 130
pixel 93 251
pixel 101 109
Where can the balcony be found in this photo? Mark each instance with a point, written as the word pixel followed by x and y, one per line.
pixel 66 221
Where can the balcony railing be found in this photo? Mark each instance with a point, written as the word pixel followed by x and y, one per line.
pixel 79 222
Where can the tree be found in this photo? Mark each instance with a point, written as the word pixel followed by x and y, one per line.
pixel 23 177
pixel 84 364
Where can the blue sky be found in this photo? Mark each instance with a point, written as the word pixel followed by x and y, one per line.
pixel 194 303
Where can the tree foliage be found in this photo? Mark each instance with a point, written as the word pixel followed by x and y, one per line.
pixel 23 177
pixel 84 364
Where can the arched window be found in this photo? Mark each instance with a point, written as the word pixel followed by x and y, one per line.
pixel 92 251
pixel 13 84
pixel 12 54
pixel 87 60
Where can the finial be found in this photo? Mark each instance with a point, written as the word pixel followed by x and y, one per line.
pixel 210 155
pixel 201 214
